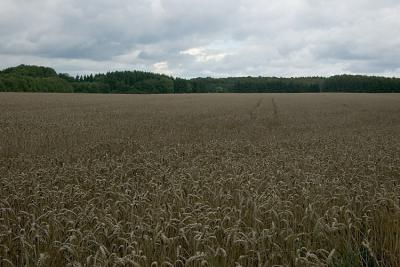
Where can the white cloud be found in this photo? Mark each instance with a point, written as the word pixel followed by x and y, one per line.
pixel 202 55
pixel 162 67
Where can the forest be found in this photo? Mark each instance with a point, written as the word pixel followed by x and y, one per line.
pixel 25 78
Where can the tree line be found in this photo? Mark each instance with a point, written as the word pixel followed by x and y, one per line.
pixel 26 78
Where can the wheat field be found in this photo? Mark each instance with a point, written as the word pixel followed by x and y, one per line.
pixel 200 180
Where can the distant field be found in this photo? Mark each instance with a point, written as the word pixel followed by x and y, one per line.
pixel 200 180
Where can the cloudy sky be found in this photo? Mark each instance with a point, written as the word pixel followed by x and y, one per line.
pixel 193 38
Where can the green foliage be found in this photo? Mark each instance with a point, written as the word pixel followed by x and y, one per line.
pixel 42 79
pixel 182 86
pixel 358 83
pixel 66 76
pixel 124 82
pixel 32 71
pixel 14 83
pixel 25 78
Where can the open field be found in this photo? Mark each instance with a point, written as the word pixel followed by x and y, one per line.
pixel 200 180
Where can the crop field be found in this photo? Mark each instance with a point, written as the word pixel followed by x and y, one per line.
pixel 200 180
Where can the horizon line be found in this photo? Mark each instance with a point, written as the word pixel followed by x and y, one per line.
pixel 88 73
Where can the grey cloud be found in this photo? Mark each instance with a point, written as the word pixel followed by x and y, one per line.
pixel 204 37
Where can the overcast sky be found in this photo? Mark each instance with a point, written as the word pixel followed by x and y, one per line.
pixel 204 37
